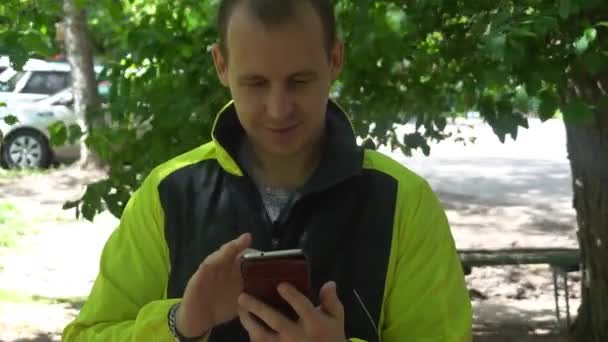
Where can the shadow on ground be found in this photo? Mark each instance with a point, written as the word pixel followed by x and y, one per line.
pixel 74 303
pixel 536 195
pixel 517 337
pixel 40 337
pixel 499 322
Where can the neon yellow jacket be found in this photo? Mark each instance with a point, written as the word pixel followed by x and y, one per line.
pixel 400 254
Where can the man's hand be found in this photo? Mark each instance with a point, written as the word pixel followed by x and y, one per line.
pixel 212 292
pixel 316 324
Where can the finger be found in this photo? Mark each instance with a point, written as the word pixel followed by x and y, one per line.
pixel 250 250
pixel 228 251
pixel 237 260
pixel 330 302
pixel 256 331
pixel 298 301
pixel 232 249
pixel 274 319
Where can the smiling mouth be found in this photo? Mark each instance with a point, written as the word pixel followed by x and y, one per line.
pixel 283 129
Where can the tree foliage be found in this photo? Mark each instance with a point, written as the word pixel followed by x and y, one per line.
pixel 27 29
pixel 420 61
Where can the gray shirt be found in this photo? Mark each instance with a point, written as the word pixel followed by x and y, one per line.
pixel 274 199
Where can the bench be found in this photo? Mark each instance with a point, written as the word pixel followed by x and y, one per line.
pixel 561 260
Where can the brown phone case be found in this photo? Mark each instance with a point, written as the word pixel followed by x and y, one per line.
pixel 261 276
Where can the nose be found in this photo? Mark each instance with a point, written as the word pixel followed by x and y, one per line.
pixel 280 104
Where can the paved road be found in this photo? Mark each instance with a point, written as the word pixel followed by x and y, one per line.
pixel 499 195
pixel 516 194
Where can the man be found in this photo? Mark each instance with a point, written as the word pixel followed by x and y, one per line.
pixel 283 171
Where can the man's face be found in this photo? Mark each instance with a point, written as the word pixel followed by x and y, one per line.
pixel 279 78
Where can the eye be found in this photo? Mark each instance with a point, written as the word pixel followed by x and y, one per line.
pixel 257 84
pixel 301 81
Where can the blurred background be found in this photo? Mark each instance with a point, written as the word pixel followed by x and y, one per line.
pixel 501 105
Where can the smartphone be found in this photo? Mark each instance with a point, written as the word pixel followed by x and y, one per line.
pixel 262 272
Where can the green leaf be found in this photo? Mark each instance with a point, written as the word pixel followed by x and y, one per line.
pixel 578 112
pixel 426 149
pixel 533 84
pixel 565 8
pixel 81 4
pixel 70 204
pixel 441 122
pixel 58 132
pixel 74 133
pixel 590 34
pixel 523 32
pixel 581 45
pixel 413 140
pixel 521 120
pixel 88 211
pixel 35 43
pixel 500 132
pixel 10 120
pixel 549 103
pixel 521 101
pixel 593 63
pixel 91 201
pixel 114 8
pixel 602 23
pixel 496 45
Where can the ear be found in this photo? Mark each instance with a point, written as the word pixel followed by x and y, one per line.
pixel 336 59
pixel 221 65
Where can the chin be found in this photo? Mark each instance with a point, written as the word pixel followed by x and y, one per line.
pixel 283 151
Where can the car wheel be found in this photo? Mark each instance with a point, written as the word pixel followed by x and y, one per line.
pixel 26 149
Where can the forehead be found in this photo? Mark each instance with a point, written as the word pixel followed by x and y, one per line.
pixel 297 42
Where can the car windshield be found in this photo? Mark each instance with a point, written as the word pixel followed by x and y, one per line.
pixel 9 79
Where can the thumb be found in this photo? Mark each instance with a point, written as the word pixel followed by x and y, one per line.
pixel 330 302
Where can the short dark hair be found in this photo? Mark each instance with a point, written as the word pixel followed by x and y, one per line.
pixel 276 12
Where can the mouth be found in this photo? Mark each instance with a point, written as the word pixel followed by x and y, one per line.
pixel 283 130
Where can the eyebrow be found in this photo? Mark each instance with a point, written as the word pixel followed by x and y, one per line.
pixel 249 78
pixel 304 73
pixel 307 73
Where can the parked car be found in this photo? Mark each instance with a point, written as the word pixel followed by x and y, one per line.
pixel 26 143
pixel 4 63
pixel 38 79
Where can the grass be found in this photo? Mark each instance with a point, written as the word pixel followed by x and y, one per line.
pixel 10 296
pixel 18 173
pixel 75 302
pixel 13 225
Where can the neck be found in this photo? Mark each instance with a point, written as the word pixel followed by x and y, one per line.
pixel 288 172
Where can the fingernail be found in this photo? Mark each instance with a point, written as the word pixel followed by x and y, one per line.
pixel 242 299
pixel 283 289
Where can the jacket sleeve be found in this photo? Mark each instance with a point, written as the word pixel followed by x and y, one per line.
pixel 425 298
pixel 128 301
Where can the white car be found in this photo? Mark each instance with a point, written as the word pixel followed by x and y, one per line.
pixel 25 144
pixel 38 79
pixel 4 63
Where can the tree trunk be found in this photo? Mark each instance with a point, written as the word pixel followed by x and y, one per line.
pixel 80 58
pixel 588 154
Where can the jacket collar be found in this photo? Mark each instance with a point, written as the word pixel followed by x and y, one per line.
pixel 341 157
